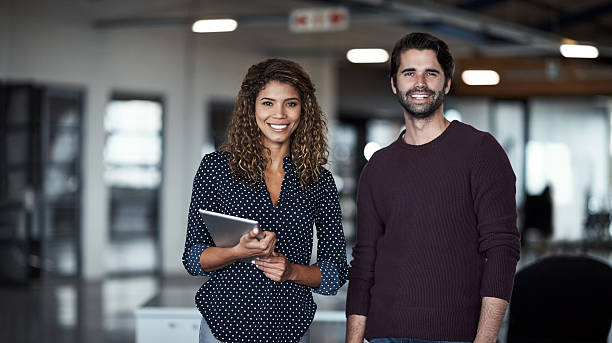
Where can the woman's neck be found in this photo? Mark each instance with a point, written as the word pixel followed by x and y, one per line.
pixel 275 158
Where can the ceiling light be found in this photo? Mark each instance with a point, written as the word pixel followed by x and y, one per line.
pixel 578 51
pixel 480 77
pixel 367 55
pixel 370 149
pixel 214 25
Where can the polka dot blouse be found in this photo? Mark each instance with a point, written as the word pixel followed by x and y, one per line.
pixel 239 303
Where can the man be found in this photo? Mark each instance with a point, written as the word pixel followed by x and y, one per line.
pixel 437 243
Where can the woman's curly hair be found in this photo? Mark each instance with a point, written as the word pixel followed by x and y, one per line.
pixel 246 152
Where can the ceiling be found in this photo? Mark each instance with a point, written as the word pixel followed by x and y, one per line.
pixel 472 27
pixel 493 33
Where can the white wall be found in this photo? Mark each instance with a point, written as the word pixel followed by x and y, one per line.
pixel 54 42
pixel 474 111
pixel 5 25
pixel 578 161
pixel 509 131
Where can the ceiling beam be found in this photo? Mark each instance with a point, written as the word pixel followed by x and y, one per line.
pixel 479 5
pixel 589 14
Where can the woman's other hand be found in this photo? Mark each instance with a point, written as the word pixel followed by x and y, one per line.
pixel 276 267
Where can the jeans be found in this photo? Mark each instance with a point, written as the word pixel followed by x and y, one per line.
pixel 410 340
pixel 206 335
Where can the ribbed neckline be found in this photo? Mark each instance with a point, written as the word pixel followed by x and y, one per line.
pixel 401 143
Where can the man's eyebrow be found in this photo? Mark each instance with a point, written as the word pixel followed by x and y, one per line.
pixel 434 70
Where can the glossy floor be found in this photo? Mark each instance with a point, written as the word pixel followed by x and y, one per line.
pixel 71 310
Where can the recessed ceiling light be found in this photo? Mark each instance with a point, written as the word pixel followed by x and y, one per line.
pixel 480 77
pixel 367 55
pixel 214 25
pixel 578 51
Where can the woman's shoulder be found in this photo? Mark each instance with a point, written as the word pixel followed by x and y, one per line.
pixel 215 159
pixel 326 178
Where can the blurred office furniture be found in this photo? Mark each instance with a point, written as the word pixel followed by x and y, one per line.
pixel 561 299
pixel 171 316
pixel 597 219
pixel 538 215
pixel 40 177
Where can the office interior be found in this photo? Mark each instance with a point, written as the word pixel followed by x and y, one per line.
pixel 108 106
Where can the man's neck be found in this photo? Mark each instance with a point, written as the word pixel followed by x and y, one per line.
pixel 423 131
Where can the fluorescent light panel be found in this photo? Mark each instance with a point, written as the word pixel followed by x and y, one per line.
pixel 367 55
pixel 578 51
pixel 480 77
pixel 214 25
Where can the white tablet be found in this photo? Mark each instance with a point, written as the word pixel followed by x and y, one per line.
pixel 226 230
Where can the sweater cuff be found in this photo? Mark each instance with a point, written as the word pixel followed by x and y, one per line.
pixel 358 297
pixel 498 275
pixel 330 278
pixel 193 259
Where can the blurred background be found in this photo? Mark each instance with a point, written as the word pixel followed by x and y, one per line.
pixel 107 107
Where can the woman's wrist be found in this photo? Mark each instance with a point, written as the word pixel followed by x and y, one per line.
pixel 237 253
pixel 293 271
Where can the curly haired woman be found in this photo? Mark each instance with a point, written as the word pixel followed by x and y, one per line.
pixel 270 169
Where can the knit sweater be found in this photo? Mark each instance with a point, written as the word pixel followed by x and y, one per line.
pixel 436 232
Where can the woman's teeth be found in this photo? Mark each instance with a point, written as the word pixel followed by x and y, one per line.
pixel 278 127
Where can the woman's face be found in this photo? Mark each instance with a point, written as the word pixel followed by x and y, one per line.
pixel 277 112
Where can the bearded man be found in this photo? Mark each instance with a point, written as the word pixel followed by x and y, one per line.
pixel 437 242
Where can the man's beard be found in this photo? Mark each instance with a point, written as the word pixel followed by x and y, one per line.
pixel 421 111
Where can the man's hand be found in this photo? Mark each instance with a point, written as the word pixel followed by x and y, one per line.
pixel 491 315
pixel 355 328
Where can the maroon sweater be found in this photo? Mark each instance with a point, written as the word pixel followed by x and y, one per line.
pixel 436 232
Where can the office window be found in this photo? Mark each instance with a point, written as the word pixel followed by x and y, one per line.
pixel 133 174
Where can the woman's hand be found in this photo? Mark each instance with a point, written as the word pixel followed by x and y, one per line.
pixel 250 246
pixel 276 267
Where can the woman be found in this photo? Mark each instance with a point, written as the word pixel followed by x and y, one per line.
pixel 269 170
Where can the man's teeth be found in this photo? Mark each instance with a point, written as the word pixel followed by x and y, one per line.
pixel 419 96
pixel 278 127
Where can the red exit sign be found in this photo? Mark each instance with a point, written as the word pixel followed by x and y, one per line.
pixel 319 19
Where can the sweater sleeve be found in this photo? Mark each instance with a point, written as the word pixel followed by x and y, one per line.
pixel 331 244
pixel 493 191
pixel 369 228
pixel 202 197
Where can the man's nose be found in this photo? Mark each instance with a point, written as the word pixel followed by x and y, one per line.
pixel 420 81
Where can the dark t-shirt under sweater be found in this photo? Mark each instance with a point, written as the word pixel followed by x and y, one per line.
pixel 436 232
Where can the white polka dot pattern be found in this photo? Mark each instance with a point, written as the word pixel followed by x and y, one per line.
pixel 239 302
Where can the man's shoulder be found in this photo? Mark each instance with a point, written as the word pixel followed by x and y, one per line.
pixel 471 136
pixel 384 154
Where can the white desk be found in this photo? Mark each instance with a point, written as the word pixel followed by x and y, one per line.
pixel 171 316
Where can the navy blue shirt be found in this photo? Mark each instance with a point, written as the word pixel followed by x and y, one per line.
pixel 239 303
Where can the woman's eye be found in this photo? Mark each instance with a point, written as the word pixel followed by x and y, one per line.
pixel 292 104
pixel 267 103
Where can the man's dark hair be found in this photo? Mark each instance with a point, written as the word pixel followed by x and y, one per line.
pixel 423 41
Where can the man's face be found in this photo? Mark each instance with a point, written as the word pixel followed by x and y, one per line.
pixel 420 87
